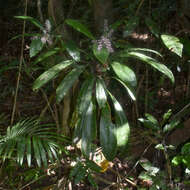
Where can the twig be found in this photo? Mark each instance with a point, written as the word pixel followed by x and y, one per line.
pixel 20 65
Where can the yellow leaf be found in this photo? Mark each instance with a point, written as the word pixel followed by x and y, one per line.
pixel 104 165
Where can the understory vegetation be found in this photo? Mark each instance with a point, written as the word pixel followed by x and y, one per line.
pixel 95 95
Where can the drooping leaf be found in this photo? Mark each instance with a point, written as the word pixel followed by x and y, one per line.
pixel 130 90
pixel 102 54
pixel 50 74
pixel 73 50
pixel 154 63
pixel 80 27
pixel 88 130
pixel 28 150
pixel 21 150
pixel 42 153
pixel 32 20
pixel 35 47
pixel 45 55
pixel 173 44
pixel 67 83
pixel 36 151
pixel 153 27
pixel 85 95
pixel 108 139
pixel 122 126
pixel 101 96
pixel 143 50
pixel 124 73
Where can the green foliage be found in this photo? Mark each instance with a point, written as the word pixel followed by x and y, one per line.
pixel 28 140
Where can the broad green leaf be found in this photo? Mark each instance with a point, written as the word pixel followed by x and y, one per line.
pixel 80 175
pixel 102 54
pixel 45 55
pixel 152 119
pixel 67 83
pixel 101 96
pixel 50 74
pixel 129 89
pixel 131 24
pixel 85 95
pixel 168 127
pixel 124 73
pixel 167 115
pixel 75 169
pixel 149 124
pixel 153 27
pixel 154 63
pixel 35 47
pixel 148 167
pixel 36 150
pixel 73 50
pixel 122 126
pixel 28 150
pixel 108 139
pixel 186 149
pixel 177 160
pixel 32 20
pixel 80 27
pixel 88 130
pixel 173 44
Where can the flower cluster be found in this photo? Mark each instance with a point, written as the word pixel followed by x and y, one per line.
pixel 105 39
pixel 46 37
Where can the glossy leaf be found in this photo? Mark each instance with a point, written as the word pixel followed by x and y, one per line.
pixel 101 55
pixel 124 73
pixel 80 27
pixel 173 44
pixel 129 89
pixel 122 126
pixel 154 63
pixel 88 130
pixel 73 50
pixel 101 96
pixel 32 20
pixel 108 139
pixel 147 123
pixel 173 124
pixel 85 95
pixel 35 46
pixel 152 119
pixel 143 50
pixel 67 83
pixel 50 74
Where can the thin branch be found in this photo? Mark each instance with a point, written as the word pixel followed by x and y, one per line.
pixel 20 65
